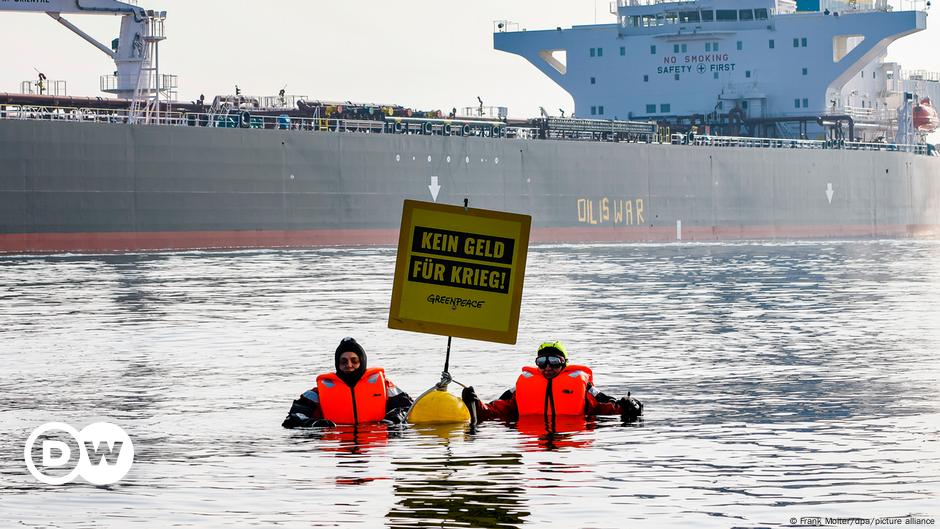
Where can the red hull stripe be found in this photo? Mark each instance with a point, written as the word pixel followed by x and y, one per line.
pixel 191 240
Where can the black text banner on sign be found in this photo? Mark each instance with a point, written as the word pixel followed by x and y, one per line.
pixel 459 272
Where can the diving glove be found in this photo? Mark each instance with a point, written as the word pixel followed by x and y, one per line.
pixel 469 397
pixel 630 408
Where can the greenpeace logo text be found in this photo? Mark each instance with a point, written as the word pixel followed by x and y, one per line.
pixel 456 302
pixel 102 453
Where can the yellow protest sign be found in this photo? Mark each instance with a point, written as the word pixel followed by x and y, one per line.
pixel 459 272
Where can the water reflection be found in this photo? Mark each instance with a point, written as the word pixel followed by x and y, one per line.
pixel 351 439
pixel 443 489
pixel 555 433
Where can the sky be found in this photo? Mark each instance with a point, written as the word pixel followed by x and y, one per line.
pixel 424 54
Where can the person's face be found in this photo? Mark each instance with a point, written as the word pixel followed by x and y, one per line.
pixel 550 366
pixel 348 362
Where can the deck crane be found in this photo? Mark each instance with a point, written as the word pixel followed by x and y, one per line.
pixel 135 52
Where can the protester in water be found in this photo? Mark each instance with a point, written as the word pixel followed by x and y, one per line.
pixel 553 388
pixel 354 394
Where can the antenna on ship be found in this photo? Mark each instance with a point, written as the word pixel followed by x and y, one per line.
pixel 481 105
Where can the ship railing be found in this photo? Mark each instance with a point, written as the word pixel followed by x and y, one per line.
pixel 920 75
pixel 249 119
pixel 484 112
pixel 867 6
pixel 44 87
pixel 790 143
pixel 864 114
pixel 503 26
pixel 640 3
pixel 93 115
pixel 523 133
pixel 426 126
pixel 243 119
pixel 284 101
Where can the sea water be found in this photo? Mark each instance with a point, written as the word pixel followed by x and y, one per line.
pixel 782 382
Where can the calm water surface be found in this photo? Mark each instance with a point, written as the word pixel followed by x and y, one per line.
pixel 780 380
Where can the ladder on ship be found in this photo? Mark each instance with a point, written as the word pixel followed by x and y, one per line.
pixel 145 106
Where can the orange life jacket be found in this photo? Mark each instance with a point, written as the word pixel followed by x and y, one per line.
pixel 566 397
pixel 345 405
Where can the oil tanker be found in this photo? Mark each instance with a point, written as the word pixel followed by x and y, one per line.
pixel 682 132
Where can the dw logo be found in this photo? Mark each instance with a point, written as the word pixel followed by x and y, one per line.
pixel 105 453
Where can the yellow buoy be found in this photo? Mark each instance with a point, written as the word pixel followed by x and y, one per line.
pixel 437 406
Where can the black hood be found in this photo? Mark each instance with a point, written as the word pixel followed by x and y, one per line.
pixel 350 344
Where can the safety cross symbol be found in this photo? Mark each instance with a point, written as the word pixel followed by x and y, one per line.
pixel 701 68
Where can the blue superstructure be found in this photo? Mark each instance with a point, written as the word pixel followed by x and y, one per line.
pixel 720 61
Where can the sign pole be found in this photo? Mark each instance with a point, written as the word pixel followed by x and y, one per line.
pixel 447 358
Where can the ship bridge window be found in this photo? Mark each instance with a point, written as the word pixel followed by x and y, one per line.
pixel 672 18
pixel 649 21
pixel 688 16
pixel 650 109
pixel 727 15
pixel 760 14
pixel 708 16
pixel 746 14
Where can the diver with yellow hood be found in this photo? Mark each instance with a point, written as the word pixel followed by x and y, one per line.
pixel 553 388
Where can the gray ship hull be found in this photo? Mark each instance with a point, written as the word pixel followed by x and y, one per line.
pixel 67 186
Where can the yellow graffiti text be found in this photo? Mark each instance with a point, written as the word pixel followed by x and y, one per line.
pixel 612 211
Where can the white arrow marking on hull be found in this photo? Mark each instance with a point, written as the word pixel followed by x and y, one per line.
pixel 829 192
pixel 434 188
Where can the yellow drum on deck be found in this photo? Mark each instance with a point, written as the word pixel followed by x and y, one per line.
pixel 437 406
